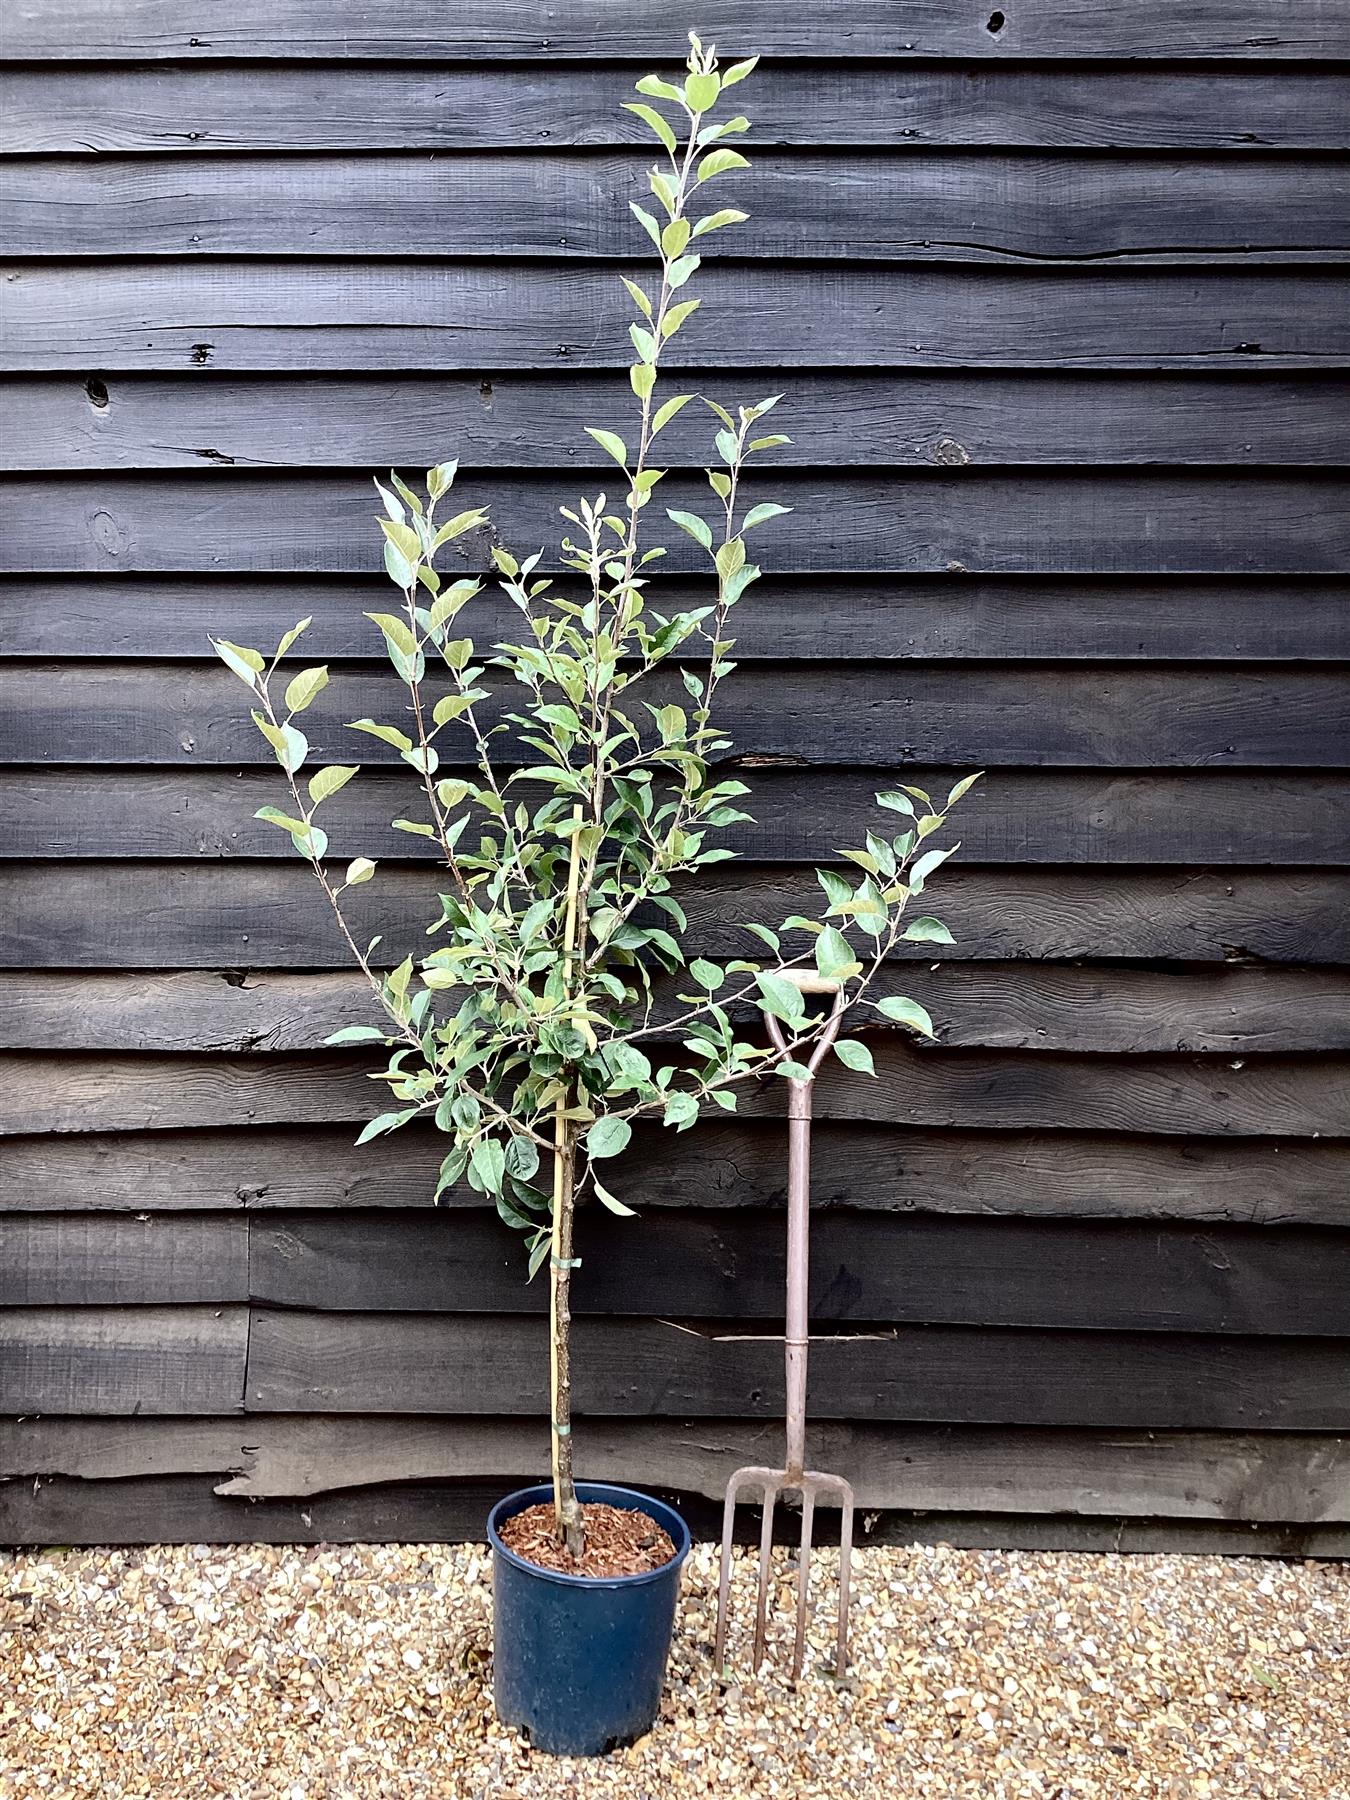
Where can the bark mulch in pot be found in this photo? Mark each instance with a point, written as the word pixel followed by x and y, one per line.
pixel 618 1541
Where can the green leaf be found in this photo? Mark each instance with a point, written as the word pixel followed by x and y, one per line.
pixel 677 316
pixel 928 931
pixel 397 566
pixel 963 787
pixel 899 803
pixel 246 663
pixel 838 892
pixel 763 933
pixel 356 1034
pixel 327 781
pixel 681 1111
pixel 610 443
pixel 672 724
pixel 387 734
pixel 667 411
pixel 792 1071
pixel 738 71
pixel 359 870
pixel 781 998
pixel 389 1121
pixel 907 1012
pixel 642 379
pixel 923 868
pixel 714 221
pixel 767 509
pixel 442 478
pixel 487 1163
pixel 522 1156
pixel 289 637
pixel 701 91
pixel 272 815
pixel 680 271
pixel 452 601
pixel 628 1064
pixel 297 747
pixel 398 979
pixel 310 841
pixel 412 827
pixel 647 222
pixel 729 558
pixel 717 162
pixel 511 1215
pixel 607 1137
pixel 304 687
pixel 393 507
pixel 870 910
pixel 468 520
pixel 690 522
pixel 658 89
pixel 653 119
pixel 396 632
pixel 289 744
pixel 675 237
pixel 607 1199
pixel 638 297
pixel 707 974
pixel 448 707
pixel 854 1055
pixel 834 955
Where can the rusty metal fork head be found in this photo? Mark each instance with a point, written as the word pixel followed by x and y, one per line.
pixel 771 1483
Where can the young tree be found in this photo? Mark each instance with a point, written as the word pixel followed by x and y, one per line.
pixel 543 1026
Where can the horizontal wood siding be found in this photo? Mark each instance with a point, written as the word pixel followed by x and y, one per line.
pixel 301 314
pixel 1059 302
pixel 491 30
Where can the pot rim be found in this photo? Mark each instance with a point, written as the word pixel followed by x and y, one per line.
pixel 588 1491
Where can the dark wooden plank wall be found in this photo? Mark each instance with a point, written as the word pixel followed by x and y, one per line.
pixel 1059 301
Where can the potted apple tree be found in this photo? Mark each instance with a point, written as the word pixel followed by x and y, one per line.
pixel 568 781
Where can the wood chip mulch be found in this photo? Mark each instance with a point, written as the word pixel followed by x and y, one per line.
pixel 363 1673
pixel 619 1541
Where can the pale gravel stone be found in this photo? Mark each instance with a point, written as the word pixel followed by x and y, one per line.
pixel 364 1670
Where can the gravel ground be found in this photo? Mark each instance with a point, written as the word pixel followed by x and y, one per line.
pixel 319 1674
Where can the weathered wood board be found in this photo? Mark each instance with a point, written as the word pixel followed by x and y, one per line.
pixel 1058 301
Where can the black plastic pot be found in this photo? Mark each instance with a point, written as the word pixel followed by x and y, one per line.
pixel 578 1662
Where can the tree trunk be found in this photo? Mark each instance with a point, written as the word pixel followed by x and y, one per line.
pixel 567 1511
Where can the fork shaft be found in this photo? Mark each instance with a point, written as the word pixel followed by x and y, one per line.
pixel 797 1341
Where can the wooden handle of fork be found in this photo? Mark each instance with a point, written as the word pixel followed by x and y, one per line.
pixel 806 981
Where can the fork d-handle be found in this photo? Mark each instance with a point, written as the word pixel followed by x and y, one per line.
pixel 797 1333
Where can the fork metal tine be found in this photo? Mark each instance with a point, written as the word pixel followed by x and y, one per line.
pixel 765 1573
pixel 803 1580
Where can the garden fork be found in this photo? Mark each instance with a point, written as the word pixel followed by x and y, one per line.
pixel 795 1477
